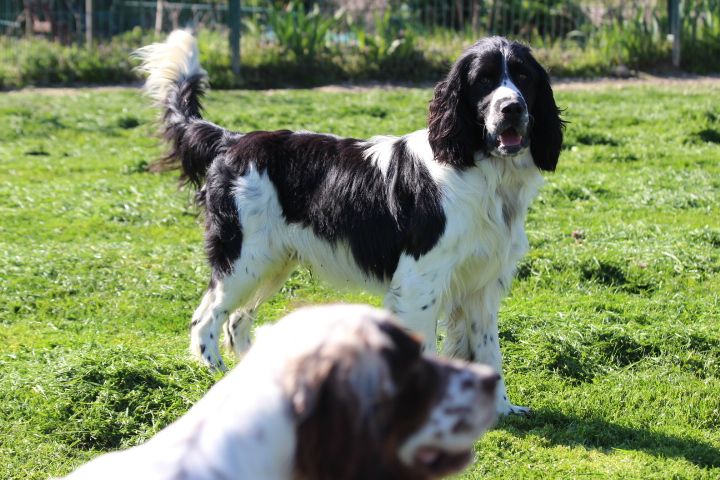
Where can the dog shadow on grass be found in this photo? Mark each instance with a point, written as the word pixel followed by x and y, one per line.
pixel 596 433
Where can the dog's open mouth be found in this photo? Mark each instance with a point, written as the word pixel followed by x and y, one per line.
pixel 510 138
pixel 438 462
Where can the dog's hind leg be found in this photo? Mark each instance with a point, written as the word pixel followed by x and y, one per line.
pixel 237 330
pixel 239 325
pixel 204 329
pixel 201 335
pixel 228 293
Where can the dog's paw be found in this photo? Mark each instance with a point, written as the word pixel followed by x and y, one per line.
pixel 209 356
pixel 507 408
pixel 217 365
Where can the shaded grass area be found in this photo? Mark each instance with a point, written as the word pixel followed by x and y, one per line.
pixel 610 332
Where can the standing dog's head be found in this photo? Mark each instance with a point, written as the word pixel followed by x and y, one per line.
pixel 496 99
pixel 368 404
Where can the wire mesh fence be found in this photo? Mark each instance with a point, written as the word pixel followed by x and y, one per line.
pixel 65 20
pixel 621 31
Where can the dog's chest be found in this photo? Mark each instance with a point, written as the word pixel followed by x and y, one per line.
pixel 488 234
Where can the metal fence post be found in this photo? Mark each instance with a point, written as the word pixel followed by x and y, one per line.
pixel 159 12
pixel 234 19
pixel 674 17
pixel 88 23
pixel 28 18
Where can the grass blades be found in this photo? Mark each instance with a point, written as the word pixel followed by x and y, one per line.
pixel 610 332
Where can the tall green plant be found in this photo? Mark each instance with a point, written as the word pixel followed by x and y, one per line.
pixel 701 35
pixel 390 38
pixel 302 33
pixel 635 41
pixel 643 40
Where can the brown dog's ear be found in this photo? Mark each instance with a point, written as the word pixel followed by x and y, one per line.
pixel 303 381
pixel 405 350
pixel 351 369
pixel 343 399
pixel 332 435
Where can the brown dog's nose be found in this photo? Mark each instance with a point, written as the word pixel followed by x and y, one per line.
pixel 488 384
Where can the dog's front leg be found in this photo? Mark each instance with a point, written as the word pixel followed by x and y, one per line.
pixel 416 296
pixel 475 317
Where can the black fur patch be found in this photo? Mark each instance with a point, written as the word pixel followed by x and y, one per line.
pixel 325 183
pixel 223 232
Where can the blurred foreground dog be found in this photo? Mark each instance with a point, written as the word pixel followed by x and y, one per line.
pixel 434 220
pixel 328 393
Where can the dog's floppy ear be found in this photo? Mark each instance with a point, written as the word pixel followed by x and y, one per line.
pixel 352 370
pixel 405 351
pixel 546 133
pixel 450 123
pixel 304 381
pixel 332 407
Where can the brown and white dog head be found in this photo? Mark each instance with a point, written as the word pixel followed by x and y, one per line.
pixel 368 404
pixel 328 393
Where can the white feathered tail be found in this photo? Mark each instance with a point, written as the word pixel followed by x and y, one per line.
pixel 176 82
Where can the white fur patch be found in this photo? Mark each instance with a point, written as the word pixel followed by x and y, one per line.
pixel 379 152
pixel 168 63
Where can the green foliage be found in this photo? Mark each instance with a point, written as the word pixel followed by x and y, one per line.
pixel 700 34
pixel 609 332
pixel 543 21
pixel 39 62
pixel 391 39
pixel 295 46
pixel 302 33
pixel 389 50
pixel 634 42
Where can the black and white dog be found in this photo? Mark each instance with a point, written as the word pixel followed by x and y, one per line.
pixel 433 219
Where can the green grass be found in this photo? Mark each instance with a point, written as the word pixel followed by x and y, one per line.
pixel 610 332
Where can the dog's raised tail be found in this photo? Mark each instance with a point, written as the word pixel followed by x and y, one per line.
pixel 177 82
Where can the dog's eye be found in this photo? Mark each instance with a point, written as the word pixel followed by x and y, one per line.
pixel 484 80
pixel 522 77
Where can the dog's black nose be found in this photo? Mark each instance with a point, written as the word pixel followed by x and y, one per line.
pixel 512 108
pixel 488 384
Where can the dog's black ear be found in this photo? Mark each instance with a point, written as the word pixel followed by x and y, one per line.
pixel 450 123
pixel 546 134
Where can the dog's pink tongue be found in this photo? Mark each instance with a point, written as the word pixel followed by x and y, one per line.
pixel 510 138
pixel 427 455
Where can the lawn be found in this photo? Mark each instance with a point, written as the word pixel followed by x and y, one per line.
pixel 611 331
